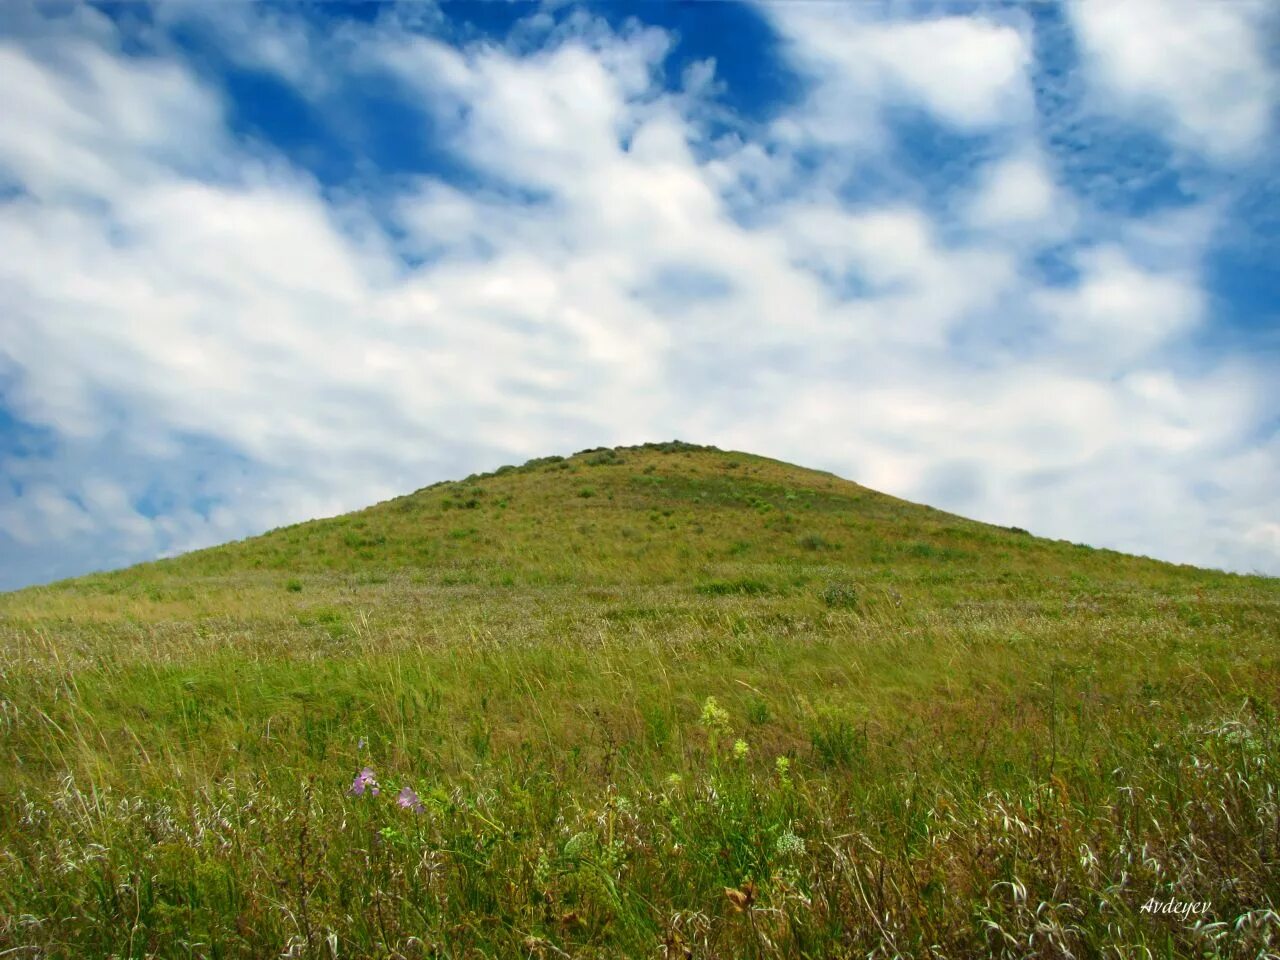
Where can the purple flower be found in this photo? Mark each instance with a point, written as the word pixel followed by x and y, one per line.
pixel 365 780
pixel 408 799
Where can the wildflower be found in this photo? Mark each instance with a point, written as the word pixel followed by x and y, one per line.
pixel 365 780
pixel 789 844
pixel 361 743
pixel 782 766
pixel 714 716
pixel 542 871
pixel 408 800
pixel 740 749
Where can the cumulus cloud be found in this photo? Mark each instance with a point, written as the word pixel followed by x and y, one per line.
pixel 970 72
pixel 1119 312
pixel 1017 196
pixel 1196 70
pixel 216 342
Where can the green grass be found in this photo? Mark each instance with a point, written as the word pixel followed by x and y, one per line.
pixel 720 707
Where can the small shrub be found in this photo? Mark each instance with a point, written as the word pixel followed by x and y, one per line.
pixel 675 446
pixel 812 541
pixel 586 492
pixel 542 462
pixel 293 585
pixel 843 595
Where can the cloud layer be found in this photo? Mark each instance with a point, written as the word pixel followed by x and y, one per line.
pixel 444 248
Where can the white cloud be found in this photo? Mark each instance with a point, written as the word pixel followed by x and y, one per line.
pixel 1118 311
pixel 89 122
pixel 1065 454
pixel 969 72
pixel 1017 194
pixel 1197 71
pixel 912 288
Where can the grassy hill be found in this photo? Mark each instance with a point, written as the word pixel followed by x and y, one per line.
pixel 661 701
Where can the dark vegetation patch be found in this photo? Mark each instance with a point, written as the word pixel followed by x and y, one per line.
pixel 815 542
pixel 839 595
pixel 745 586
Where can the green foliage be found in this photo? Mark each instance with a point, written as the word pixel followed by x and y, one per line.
pixel 835 739
pixel 745 586
pixel 542 462
pixel 605 458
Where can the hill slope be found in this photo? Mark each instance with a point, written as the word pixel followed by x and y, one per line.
pixel 618 684
pixel 698 519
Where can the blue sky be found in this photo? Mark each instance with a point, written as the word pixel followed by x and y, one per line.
pixel 266 262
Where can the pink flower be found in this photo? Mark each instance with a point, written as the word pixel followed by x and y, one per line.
pixel 408 799
pixel 365 780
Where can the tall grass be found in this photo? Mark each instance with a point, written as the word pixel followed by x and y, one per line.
pixel 660 721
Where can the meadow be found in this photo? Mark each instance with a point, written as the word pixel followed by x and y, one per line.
pixel 662 701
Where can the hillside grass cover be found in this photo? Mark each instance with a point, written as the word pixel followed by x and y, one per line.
pixel 659 701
